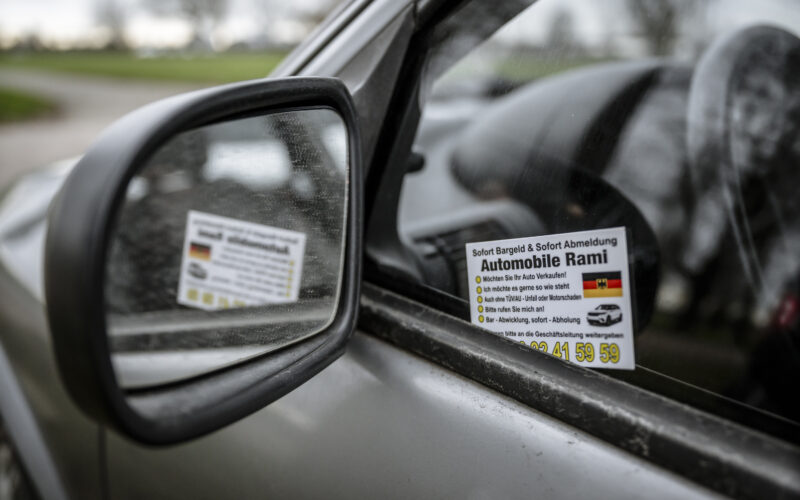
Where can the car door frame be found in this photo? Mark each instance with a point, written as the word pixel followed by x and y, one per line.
pixel 718 453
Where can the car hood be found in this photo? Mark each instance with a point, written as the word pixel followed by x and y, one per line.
pixel 23 223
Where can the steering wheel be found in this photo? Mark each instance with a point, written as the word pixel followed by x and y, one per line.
pixel 554 165
pixel 743 131
pixel 744 152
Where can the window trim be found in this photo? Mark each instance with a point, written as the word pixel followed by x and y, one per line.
pixel 710 450
pixel 643 377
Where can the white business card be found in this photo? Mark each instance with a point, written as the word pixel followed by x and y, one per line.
pixel 565 294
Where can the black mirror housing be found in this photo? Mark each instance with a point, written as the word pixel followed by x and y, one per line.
pixel 77 247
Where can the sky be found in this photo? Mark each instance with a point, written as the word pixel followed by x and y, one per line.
pixel 64 21
pixel 594 20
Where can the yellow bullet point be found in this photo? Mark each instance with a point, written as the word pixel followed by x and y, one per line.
pixel 477 279
pixel 480 299
pixel 480 318
pixel 480 290
pixel 480 309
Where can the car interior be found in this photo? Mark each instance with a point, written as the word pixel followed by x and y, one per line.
pixel 687 161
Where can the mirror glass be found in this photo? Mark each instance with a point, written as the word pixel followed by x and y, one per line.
pixel 229 244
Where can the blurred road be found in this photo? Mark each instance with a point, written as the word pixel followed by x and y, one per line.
pixel 86 106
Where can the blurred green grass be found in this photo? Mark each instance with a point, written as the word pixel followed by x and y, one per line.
pixel 529 68
pixel 518 68
pixel 16 105
pixel 231 67
pixel 218 68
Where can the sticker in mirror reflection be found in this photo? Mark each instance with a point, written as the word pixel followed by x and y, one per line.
pixel 228 263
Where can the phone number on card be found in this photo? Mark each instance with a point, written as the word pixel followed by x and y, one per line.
pixel 584 351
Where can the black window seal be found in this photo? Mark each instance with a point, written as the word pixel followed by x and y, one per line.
pixel 643 377
pixel 709 450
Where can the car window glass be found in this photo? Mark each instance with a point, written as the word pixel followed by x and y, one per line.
pixel 687 111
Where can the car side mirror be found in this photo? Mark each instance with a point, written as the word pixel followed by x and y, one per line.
pixel 203 258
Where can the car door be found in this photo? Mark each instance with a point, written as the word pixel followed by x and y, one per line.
pixel 425 404
pixel 397 426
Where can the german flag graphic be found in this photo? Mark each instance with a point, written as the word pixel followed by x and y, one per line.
pixel 199 251
pixel 605 284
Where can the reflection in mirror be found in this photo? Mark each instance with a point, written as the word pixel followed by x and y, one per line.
pixel 229 244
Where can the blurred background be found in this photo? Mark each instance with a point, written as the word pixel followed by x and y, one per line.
pixel 70 67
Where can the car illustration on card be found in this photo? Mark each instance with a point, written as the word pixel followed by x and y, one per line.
pixel 604 315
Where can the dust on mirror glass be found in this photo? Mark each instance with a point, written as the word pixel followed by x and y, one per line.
pixel 228 244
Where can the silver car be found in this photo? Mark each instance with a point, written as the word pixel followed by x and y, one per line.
pixel 334 349
pixel 604 314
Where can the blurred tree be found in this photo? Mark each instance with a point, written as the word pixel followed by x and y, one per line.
pixel 30 42
pixel 314 13
pixel 304 15
pixel 562 38
pixel 658 22
pixel 111 15
pixel 204 16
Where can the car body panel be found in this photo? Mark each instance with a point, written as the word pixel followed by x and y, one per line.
pixel 71 438
pixel 395 426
